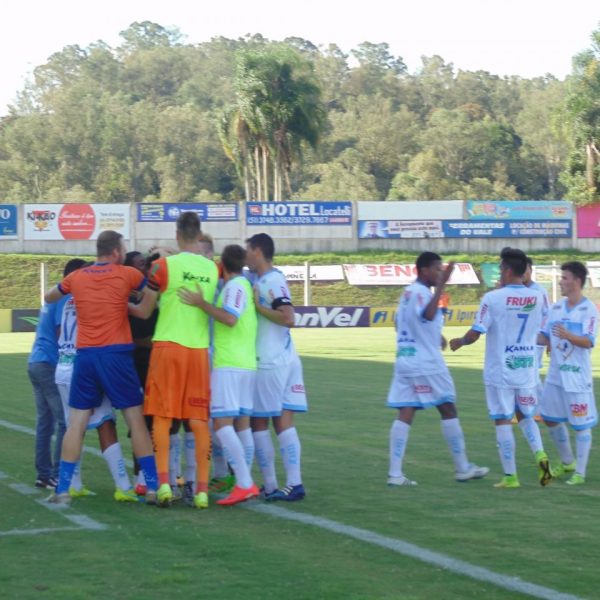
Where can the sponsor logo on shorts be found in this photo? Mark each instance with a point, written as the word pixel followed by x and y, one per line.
pixel 406 352
pixel 570 368
pixel 195 401
pixel 297 388
pixel 526 400
pixel 422 389
pixel 579 410
pixel 519 362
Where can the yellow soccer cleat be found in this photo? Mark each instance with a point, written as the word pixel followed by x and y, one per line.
pixel 125 495
pixel 508 481
pixel 544 470
pixel 164 496
pixel 576 479
pixel 201 500
pixel 81 493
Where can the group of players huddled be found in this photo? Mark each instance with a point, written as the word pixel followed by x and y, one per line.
pixel 520 326
pixel 177 338
pixel 211 348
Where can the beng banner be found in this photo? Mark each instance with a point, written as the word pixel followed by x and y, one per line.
pixel 463 274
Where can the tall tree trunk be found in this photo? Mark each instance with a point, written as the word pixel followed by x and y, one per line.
pixel 591 160
pixel 275 181
pixel 258 180
pixel 246 181
pixel 265 166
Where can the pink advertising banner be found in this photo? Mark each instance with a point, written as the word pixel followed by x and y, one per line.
pixel 588 221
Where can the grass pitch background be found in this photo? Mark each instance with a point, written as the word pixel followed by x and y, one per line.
pixel 545 536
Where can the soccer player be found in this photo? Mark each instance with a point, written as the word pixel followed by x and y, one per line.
pixel 103 363
pixel 178 385
pixel 102 418
pixel 234 367
pixel 569 390
pixel 49 414
pixel 421 377
pixel 511 317
pixel 279 392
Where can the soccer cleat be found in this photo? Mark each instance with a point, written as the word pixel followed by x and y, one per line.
pixel 201 500
pixel 289 493
pixel 125 495
pixel 45 484
pixel 402 480
pixel 473 472
pixel 222 484
pixel 576 479
pixel 140 489
pixel 563 469
pixel 508 481
pixel 544 472
pixel 177 495
pixel 63 499
pixel 81 493
pixel 151 497
pixel 268 496
pixel 188 493
pixel 164 496
pixel 238 495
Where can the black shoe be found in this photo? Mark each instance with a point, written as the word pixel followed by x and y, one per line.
pixel 46 484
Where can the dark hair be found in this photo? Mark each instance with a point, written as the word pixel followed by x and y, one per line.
pixel 73 265
pixel 233 258
pixel 578 270
pixel 529 261
pixel 129 257
pixel 107 242
pixel 264 243
pixel 515 260
pixel 426 259
pixel 188 226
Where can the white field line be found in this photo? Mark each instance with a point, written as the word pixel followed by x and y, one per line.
pixel 460 567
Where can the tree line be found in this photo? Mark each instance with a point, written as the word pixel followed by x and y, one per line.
pixel 159 119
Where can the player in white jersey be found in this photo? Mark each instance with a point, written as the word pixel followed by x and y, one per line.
pixel 511 317
pixel 279 392
pixel 569 390
pixel 102 418
pixel 421 377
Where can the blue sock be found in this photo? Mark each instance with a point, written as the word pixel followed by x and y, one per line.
pixel 65 474
pixel 148 466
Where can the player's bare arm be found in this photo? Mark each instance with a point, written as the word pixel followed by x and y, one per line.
pixel 466 340
pixel 53 295
pixel 197 299
pixel 581 341
pixel 431 309
pixel 282 315
pixel 146 307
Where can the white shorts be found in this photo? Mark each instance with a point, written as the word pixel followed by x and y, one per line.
pixel 420 391
pixel 560 406
pixel 279 389
pixel 102 413
pixel 231 392
pixel 502 402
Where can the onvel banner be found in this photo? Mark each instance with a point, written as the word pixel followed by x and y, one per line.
pixel 74 221
pixel 207 211
pixel 527 210
pixel 299 213
pixel 331 316
pixel 463 274
pixel 8 222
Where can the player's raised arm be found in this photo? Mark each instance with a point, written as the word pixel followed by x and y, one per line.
pixel 431 309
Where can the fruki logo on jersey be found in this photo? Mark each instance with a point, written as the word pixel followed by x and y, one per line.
pixel 524 303
pixel 579 410
pixel 41 218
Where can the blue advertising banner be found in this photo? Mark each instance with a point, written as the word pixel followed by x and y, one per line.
pixel 399 229
pixel 507 229
pixel 299 213
pixel 207 211
pixel 8 221
pixel 528 210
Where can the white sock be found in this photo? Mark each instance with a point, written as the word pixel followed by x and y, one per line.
pixel 532 434
pixel 190 456
pixel 220 468
pixel 265 458
pixel 583 443
pixel 398 440
pixel 174 455
pixel 76 482
pixel 560 437
pixel 506 448
pixel 141 480
pixel 234 451
pixel 113 456
pixel 455 439
pixel 248 444
pixel 291 453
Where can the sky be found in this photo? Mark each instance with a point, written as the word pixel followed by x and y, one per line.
pixel 505 37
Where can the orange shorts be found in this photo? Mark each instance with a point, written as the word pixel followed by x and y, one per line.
pixel 178 383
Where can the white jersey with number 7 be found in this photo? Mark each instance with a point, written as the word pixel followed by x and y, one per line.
pixel 511 317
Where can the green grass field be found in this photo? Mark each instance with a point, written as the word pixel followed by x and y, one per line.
pixel 547 537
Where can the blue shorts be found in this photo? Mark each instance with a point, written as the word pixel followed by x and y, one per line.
pixel 106 370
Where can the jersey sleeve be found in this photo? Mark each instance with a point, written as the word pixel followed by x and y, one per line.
pixel 158 277
pixel 590 324
pixel 482 319
pixel 278 293
pixel 136 279
pixel 420 302
pixel 234 298
pixel 65 286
